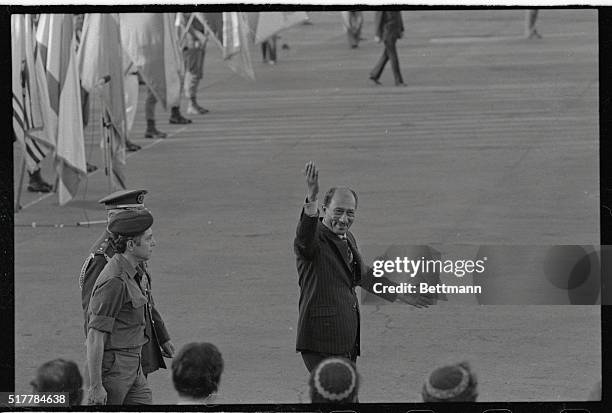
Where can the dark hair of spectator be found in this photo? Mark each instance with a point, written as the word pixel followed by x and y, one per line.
pixel 196 370
pixel 455 383
pixel 334 380
pixel 60 375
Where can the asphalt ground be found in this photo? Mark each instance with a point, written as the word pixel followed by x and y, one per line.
pixel 493 141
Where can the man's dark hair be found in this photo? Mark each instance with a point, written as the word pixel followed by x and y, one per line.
pixel 60 375
pixel 330 194
pixel 196 370
pixel 119 242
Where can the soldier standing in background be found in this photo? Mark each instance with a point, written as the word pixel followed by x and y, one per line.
pixel 193 43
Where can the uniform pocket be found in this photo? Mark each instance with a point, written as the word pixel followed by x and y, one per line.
pixel 137 300
pixel 109 359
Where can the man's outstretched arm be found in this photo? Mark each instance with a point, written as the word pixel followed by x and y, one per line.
pixel 305 241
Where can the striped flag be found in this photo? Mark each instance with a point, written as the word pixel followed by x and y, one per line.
pixel 56 45
pixel 28 114
pixel 230 32
pixel 101 71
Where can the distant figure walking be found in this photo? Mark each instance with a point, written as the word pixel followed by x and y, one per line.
pixel 530 24
pixel 389 28
pixel 268 49
pixel 353 21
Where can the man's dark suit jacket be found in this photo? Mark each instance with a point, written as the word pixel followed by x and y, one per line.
pixel 329 311
pixel 389 25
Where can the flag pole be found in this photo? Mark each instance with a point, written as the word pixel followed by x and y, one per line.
pixel 106 142
pixel 109 154
pixel 20 187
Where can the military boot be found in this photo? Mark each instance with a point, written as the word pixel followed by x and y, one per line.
pixel 37 184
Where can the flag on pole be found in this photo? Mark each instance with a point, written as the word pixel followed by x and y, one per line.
pixel 110 140
pixel 56 42
pixel 28 122
pixel 101 68
pixel 230 32
pixel 150 41
pixel 272 22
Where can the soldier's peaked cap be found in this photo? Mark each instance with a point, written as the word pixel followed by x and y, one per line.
pixel 127 198
pixel 130 223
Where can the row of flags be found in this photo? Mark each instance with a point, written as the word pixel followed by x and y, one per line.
pixel 51 78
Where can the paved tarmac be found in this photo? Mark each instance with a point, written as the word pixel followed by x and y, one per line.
pixel 493 141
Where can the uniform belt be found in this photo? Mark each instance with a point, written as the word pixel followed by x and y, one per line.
pixel 134 350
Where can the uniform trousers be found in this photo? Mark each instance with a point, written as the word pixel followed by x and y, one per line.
pixel 150 102
pixel 194 65
pixel 123 378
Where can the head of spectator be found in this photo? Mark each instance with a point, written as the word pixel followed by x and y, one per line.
pixel 454 383
pixel 57 376
pixel 339 206
pixel 196 372
pixel 334 380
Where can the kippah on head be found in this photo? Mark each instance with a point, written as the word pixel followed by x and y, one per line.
pixel 450 383
pixel 128 198
pixel 334 380
pixel 130 223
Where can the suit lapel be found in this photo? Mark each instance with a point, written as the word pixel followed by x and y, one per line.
pixel 339 246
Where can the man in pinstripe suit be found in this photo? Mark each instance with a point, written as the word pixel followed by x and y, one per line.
pixel 330 267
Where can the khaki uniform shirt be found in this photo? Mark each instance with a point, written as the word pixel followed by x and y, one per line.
pixel 118 306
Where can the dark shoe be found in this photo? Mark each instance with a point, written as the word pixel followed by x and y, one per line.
pixel 37 184
pixel 155 134
pixel 91 168
pixel 285 46
pixel 534 35
pixel 376 81
pixel 131 146
pixel 179 120
pixel 400 84
pixel 39 187
pixel 354 46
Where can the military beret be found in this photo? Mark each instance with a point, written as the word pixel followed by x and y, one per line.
pixel 127 198
pixel 130 223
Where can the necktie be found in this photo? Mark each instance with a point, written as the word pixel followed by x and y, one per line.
pixel 349 253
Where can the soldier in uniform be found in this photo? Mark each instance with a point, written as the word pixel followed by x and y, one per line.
pixel 159 343
pixel 194 40
pixel 120 303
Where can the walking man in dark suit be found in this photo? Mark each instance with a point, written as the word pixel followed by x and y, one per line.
pixel 330 267
pixel 389 28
